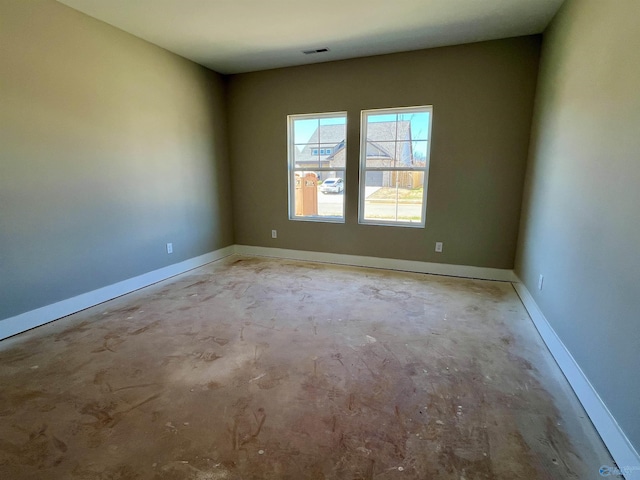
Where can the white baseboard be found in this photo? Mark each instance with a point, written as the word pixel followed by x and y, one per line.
pixel 618 444
pixel 612 435
pixel 483 273
pixel 40 316
pixel 34 318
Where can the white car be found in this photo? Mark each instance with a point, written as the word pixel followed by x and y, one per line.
pixel 332 185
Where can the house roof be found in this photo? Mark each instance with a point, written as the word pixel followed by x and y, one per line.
pixel 325 136
pixel 332 134
pixel 389 131
pixel 382 138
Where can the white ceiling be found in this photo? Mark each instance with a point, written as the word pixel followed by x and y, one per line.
pixel 233 36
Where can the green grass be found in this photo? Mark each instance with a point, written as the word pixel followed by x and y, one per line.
pixel 402 218
pixel 390 193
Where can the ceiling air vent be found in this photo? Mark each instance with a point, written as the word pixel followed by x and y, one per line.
pixel 318 50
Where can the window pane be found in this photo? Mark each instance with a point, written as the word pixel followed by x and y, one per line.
pixel 419 151
pixel 404 154
pixel 325 147
pixel 395 154
pixel 303 129
pixel 314 156
pixel 319 130
pixel 385 128
pixel 319 194
pixel 317 154
pixel 338 156
pixel 305 158
pixel 381 154
pixel 419 124
pixel 392 196
pixel 403 127
pixel 332 130
pixel 394 164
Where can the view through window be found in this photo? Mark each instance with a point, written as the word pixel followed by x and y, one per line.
pixel 317 160
pixel 394 166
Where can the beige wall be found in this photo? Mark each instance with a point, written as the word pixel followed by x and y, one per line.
pixel 482 97
pixel 109 148
pixel 581 210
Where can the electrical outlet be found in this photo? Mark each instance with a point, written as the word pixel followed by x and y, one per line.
pixel 169 247
pixel 439 247
pixel 274 233
pixel 540 282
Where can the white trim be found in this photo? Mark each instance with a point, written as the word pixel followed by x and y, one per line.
pixel 614 438
pixel 484 273
pixel 40 316
pixel 34 318
pixel 291 163
pixel 612 435
pixel 364 123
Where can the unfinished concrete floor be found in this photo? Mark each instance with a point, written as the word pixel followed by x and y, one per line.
pixel 255 368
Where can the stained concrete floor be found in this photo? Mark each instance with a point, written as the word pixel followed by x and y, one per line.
pixel 255 368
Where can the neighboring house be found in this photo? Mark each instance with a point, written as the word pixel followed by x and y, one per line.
pixel 321 150
pixel 388 145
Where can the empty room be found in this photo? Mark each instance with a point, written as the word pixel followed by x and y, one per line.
pixel 319 240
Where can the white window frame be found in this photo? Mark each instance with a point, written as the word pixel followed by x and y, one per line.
pixel 292 169
pixel 364 169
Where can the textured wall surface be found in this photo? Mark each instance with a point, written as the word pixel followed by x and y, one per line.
pixel 110 147
pixel 482 97
pixel 581 211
